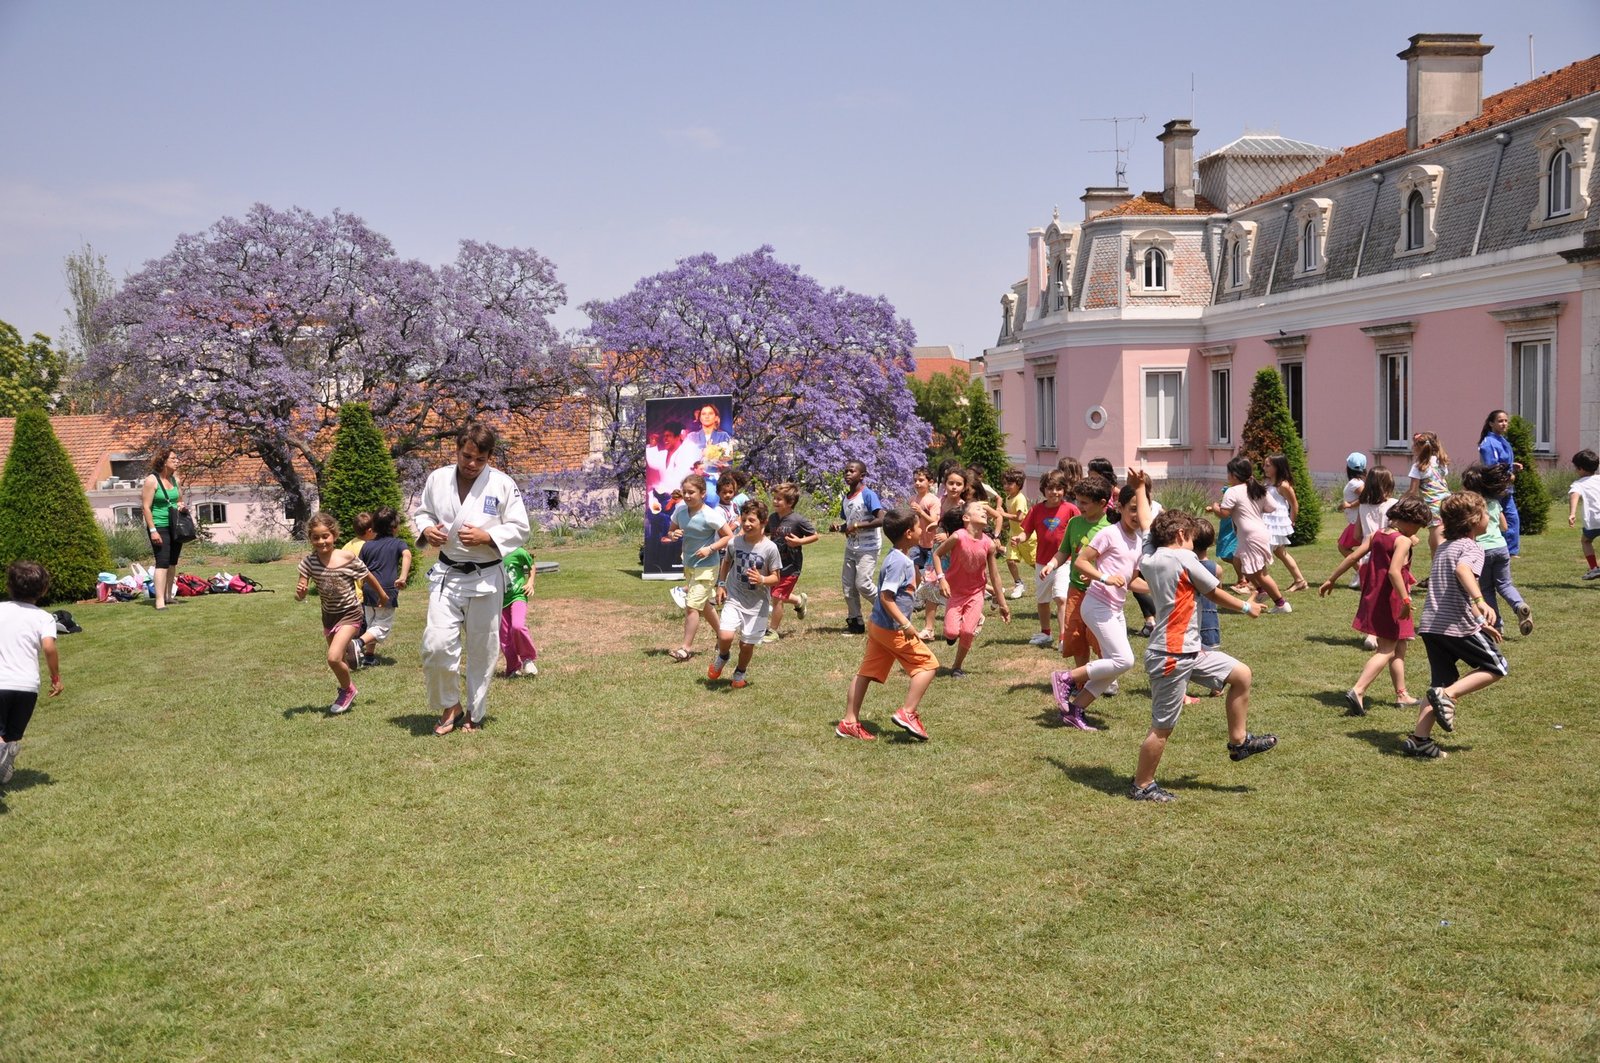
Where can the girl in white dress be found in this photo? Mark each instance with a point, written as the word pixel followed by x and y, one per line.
pixel 1280 522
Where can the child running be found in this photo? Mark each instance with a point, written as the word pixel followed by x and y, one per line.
pixel 1108 562
pixel 1430 478
pixel 515 642
pixel 1015 508
pixel 1048 522
pixel 1280 488
pixel 1584 497
pixel 1246 502
pixel 862 511
pixel 892 638
pixel 751 565
pixel 1355 472
pixel 791 533
pixel 1493 482
pixel 388 558
pixel 1174 657
pixel 336 573
pixel 971 557
pixel 1457 624
pixel 1384 615
pixel 26 631
pixel 1091 495
pixel 698 526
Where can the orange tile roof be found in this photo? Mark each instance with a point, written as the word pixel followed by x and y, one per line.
pixel 927 367
pixel 1152 203
pixel 1569 83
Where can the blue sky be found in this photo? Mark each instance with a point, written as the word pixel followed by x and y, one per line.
pixel 898 148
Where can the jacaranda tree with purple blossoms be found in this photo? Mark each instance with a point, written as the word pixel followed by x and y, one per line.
pixel 817 375
pixel 255 332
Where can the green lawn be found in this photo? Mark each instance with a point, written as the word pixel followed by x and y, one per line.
pixel 631 864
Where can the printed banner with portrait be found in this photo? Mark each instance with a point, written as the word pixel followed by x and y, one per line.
pixel 682 436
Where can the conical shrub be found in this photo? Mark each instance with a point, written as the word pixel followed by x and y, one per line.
pixel 44 514
pixel 1533 498
pixel 1268 430
pixel 360 473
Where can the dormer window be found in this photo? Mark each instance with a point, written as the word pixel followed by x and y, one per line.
pixel 1420 188
pixel 1155 270
pixel 1239 245
pixel 1566 158
pixel 1151 261
pixel 1058 286
pixel 1314 215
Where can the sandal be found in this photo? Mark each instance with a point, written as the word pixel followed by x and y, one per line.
pixel 1299 585
pixel 1406 701
pixel 467 726
pixel 679 654
pixel 1251 745
pixel 1358 705
pixel 447 723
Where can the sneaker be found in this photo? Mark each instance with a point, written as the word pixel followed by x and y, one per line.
pixel 1062 686
pixel 1043 638
pixel 925 634
pixel 958 673
pixel 1017 591
pixel 1114 689
pixel 528 668
pixel 1444 707
pixel 908 720
pixel 739 681
pixel 853 729
pixel 800 605
pixel 1593 573
pixel 1524 619
pixel 1153 792
pixel 352 655
pixel 854 626
pixel 1358 707
pixel 680 597
pixel 1425 748
pixel 717 665
pixel 1355 583
pixel 1148 629
pixel 1370 643
pixel 1251 745
pixel 8 761
pixel 1284 608
pixel 1074 718
pixel 342 703
pixel 769 638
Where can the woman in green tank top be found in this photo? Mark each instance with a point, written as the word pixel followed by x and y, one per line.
pixel 163 499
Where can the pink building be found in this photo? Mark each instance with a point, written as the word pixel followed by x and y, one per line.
pixel 1413 282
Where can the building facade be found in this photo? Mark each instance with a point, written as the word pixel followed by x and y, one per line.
pixel 1412 282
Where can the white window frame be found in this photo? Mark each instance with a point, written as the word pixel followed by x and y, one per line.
pixel 1239 247
pixel 1044 402
pixel 1155 270
pixel 211 513
pixel 1221 411
pixel 1142 248
pixel 1576 137
pixel 1389 415
pixel 1315 216
pixel 1542 414
pixel 127 516
pixel 1428 183
pixel 1284 365
pixel 1178 434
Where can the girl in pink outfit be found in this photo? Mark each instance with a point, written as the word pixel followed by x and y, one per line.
pixel 970 555
pixel 1246 504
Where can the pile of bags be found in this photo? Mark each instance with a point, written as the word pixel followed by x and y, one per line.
pixel 140 583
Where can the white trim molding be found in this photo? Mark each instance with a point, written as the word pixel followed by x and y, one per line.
pixel 1238 247
pixel 1576 137
pixel 1140 247
pixel 1315 216
pixel 1429 181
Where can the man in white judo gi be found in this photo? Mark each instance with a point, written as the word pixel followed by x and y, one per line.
pixel 475 515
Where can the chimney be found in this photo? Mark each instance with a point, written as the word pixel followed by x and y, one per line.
pixel 1177 163
pixel 1444 83
pixel 1099 200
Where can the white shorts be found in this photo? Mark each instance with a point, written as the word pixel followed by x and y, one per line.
pixel 750 626
pixel 1051 588
pixel 380 620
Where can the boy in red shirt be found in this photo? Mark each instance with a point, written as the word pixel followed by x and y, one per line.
pixel 1047 521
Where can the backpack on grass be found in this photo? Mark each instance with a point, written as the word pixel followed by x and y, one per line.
pixel 191 586
pixel 242 584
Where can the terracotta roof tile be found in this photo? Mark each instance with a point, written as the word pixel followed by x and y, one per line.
pixel 1569 83
pixel 1151 203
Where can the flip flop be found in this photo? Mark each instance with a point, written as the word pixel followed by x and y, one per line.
pixel 445 726
pixel 679 654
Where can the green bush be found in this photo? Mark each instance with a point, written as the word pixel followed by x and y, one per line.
pixel 360 474
pixel 1558 483
pixel 44 514
pixel 256 550
pixel 126 545
pixel 1190 496
pixel 1533 501
pixel 1269 430
pixel 983 445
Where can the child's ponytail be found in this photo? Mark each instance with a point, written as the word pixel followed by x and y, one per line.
pixel 1243 469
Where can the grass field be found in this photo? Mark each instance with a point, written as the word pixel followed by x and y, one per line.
pixel 629 863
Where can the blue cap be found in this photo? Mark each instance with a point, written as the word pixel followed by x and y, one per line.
pixel 1356 460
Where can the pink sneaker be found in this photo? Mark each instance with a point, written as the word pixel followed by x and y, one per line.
pixel 1065 689
pixel 853 729
pixel 1074 718
pixel 342 703
pixel 908 720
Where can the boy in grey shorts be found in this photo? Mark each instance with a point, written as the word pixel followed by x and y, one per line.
pixel 1174 656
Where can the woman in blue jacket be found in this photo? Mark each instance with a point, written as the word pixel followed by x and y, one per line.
pixel 1495 449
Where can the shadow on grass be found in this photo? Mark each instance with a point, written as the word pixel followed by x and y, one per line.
pixel 1351 640
pixel 1388 742
pixel 418 723
pixel 1050 719
pixel 1101 778
pixel 305 710
pixel 24 779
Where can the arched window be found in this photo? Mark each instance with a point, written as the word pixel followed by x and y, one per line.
pixel 1310 247
pixel 1560 184
pixel 1236 263
pixel 1416 221
pixel 1155 270
pixel 1060 285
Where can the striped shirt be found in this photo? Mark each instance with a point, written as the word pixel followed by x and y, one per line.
pixel 337 591
pixel 1448 610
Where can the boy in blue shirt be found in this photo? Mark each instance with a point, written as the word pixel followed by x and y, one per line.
pixel 862 511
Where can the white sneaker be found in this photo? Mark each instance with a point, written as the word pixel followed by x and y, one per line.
pixel 1016 592
pixel 1284 608
pixel 1114 688
pixel 1370 642
pixel 8 761
pixel 1043 638
pixel 800 605
pixel 528 668
pixel 1593 573
pixel 680 597
pixel 1355 583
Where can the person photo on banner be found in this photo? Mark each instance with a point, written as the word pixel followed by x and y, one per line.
pixel 715 445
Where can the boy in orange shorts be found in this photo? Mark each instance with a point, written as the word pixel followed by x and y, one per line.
pixel 892 637
pixel 1090 494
